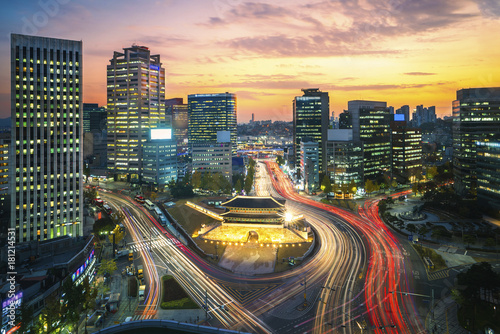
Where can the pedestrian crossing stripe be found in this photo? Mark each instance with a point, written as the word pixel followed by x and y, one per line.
pixel 247 293
pixel 438 274
pixel 146 245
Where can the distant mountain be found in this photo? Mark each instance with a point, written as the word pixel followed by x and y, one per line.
pixel 5 122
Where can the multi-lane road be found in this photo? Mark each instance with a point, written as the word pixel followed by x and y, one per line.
pixel 354 277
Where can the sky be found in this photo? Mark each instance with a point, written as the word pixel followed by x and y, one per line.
pixel 400 51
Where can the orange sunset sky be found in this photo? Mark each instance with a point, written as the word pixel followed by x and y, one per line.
pixel 400 51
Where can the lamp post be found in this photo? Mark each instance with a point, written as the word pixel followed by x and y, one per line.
pixel 113 234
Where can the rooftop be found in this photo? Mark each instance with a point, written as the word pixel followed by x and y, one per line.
pixel 254 202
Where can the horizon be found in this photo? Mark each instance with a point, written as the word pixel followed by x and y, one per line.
pixel 404 53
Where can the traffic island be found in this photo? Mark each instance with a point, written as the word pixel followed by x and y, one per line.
pixel 174 296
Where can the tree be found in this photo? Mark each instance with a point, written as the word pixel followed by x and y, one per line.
pixel 71 306
pixel 238 186
pixel 326 185
pixel 394 183
pixel 431 173
pixel 107 267
pixel 103 225
pixel 153 196
pixel 248 184
pixel 411 228
pixel 90 193
pixel 469 239
pixel 352 187
pixel 119 234
pixel 369 186
pixel 280 160
pixel 196 179
pixel 27 322
pixel 89 295
pixel 423 230
pixel 51 314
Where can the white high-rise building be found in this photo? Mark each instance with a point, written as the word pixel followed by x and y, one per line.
pixel 136 104
pixel 45 159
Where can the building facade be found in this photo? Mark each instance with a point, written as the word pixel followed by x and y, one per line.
pixel 476 115
pixel 210 113
pixel 213 158
pixel 160 161
pixel 406 144
pixel 94 118
pixel 309 165
pixel 136 104
pixel 370 122
pixel 310 120
pixel 45 160
pixel 344 158
pixel 488 174
pixel 178 111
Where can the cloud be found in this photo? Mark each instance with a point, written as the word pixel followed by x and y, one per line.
pixel 339 27
pixel 381 86
pixel 489 8
pixel 419 73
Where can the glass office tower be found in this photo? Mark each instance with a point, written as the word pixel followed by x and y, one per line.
pixel 45 158
pixel 210 113
pixel 136 104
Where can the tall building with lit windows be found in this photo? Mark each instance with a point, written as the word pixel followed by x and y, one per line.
pixel 210 113
pixel 370 123
pixel 310 120
pixel 488 174
pixel 476 115
pixel 136 104
pixel 406 144
pixel 45 158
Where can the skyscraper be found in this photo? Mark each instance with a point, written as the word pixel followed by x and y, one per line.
pixel 310 120
pixel 404 110
pixel 371 125
pixel 178 111
pixel 94 118
pixel 476 115
pixel 406 146
pixel 136 104
pixel 209 113
pixel 45 159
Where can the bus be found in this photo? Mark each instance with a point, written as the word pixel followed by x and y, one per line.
pixel 158 211
pixel 139 199
pixel 99 202
pixel 107 209
pixel 149 205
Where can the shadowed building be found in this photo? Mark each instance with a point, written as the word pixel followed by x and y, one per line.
pixel 476 115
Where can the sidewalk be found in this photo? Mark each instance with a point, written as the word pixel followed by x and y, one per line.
pixel 445 318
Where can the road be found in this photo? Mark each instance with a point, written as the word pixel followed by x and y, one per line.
pixel 388 275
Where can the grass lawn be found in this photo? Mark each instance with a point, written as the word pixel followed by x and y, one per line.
pixel 189 218
pixel 174 296
pixel 348 204
pixel 437 259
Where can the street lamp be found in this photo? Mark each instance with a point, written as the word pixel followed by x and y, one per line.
pixel 113 234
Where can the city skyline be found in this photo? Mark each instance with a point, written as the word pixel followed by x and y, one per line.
pixel 265 52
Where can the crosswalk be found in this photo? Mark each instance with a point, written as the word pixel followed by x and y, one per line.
pixel 154 243
pixel 438 274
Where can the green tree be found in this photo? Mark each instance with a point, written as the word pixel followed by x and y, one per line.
pixel 238 186
pixel 369 186
pixel 89 295
pixel 196 179
pixel 431 173
pixel 423 230
pixel 72 299
pixel 107 267
pixel 326 185
pixel 280 160
pixel 353 188
pixel 27 322
pixel 248 184
pixel 490 242
pixel 411 228
pixel 90 193
pixel 103 225
pixel 51 314
pixel 394 183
